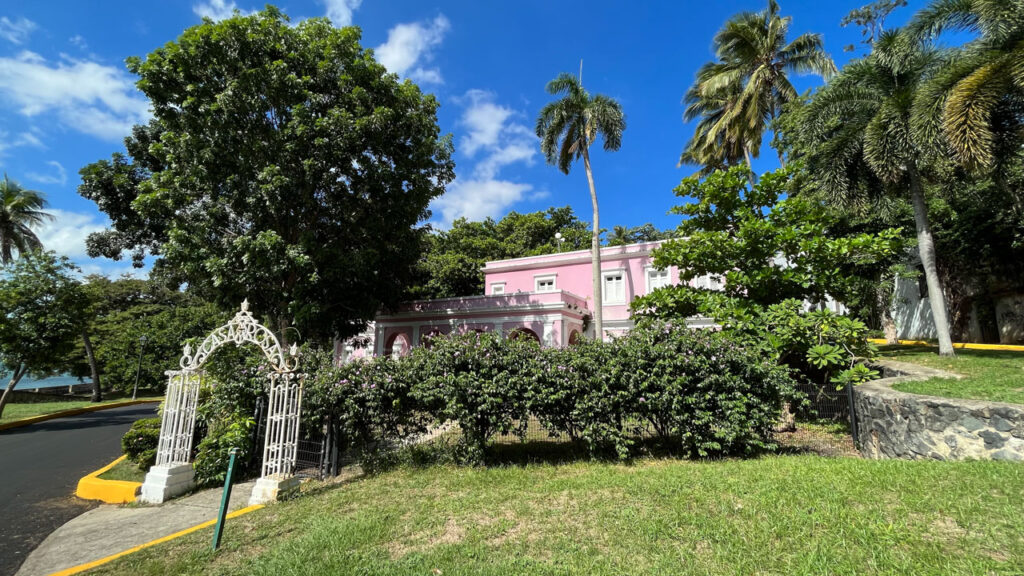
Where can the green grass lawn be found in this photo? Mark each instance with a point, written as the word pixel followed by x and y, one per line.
pixel 124 470
pixel 774 515
pixel 990 374
pixel 17 411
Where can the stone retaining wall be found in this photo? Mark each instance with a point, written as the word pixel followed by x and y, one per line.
pixel 894 424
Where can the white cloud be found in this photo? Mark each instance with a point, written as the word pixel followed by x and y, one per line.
pixel 86 96
pixel 490 129
pixel 60 178
pixel 8 142
pixel 478 199
pixel 66 233
pixel 340 11
pixel 484 121
pixel 16 31
pixel 218 9
pixel 78 41
pixel 410 46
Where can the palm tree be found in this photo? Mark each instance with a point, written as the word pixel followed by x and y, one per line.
pixel 20 210
pixel 862 121
pixel 748 86
pixel 566 128
pixel 973 105
pixel 720 140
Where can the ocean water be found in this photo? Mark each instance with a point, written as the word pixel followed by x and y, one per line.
pixel 30 383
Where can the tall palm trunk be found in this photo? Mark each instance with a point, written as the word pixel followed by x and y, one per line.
pixel 97 393
pixel 750 165
pixel 926 249
pixel 595 252
pixel 883 296
pixel 16 376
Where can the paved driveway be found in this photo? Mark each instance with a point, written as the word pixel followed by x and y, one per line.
pixel 40 465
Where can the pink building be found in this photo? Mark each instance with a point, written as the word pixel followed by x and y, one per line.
pixel 549 298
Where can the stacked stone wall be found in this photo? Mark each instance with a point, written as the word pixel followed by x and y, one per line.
pixel 894 424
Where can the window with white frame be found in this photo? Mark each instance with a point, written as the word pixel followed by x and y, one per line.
pixel 656 279
pixel 614 288
pixel 708 282
pixel 544 283
pixel 497 288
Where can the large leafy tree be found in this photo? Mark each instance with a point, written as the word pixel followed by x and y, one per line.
pixel 452 265
pixel 283 165
pixel 739 94
pixel 42 313
pixel 758 248
pixel 974 105
pixel 862 118
pixel 567 127
pixel 133 319
pixel 770 252
pixel 20 210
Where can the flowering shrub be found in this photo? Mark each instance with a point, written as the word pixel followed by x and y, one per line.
pixel 479 381
pixel 580 392
pixel 369 404
pixel 701 390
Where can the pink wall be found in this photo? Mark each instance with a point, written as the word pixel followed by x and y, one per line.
pixel 573 272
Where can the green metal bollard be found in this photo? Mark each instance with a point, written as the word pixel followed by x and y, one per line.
pixel 224 499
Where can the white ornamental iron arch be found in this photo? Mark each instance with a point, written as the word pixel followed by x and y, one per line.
pixel 285 396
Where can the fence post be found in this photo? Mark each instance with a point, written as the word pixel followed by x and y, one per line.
pixel 853 416
pixel 224 499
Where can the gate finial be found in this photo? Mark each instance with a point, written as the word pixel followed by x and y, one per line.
pixel 245 305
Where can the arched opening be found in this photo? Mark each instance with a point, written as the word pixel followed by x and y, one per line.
pixel 173 473
pixel 574 337
pixel 398 345
pixel 524 333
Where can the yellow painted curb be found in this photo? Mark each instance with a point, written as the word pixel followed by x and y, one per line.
pixel 73 412
pixel 961 345
pixel 92 487
pixel 102 561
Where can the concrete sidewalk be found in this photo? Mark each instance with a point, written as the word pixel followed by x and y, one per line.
pixel 111 529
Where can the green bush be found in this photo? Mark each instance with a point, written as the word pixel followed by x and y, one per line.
pixel 368 404
pixel 236 376
pixel 822 347
pixel 139 444
pixel 479 381
pixel 580 392
pixel 704 392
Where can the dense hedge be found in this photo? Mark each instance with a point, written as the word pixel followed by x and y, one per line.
pixel 139 444
pixel 701 392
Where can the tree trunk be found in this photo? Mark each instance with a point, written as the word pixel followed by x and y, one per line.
pixel 595 252
pixel 97 393
pixel 750 165
pixel 15 378
pixel 926 248
pixel 884 303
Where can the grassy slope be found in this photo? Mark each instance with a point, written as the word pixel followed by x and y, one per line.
pixel 124 470
pixel 990 375
pixel 775 515
pixel 17 411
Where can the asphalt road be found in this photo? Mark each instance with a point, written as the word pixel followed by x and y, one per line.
pixel 40 465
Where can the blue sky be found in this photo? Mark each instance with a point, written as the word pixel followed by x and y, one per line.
pixel 66 99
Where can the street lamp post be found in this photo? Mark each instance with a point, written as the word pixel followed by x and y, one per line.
pixel 560 239
pixel 138 367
